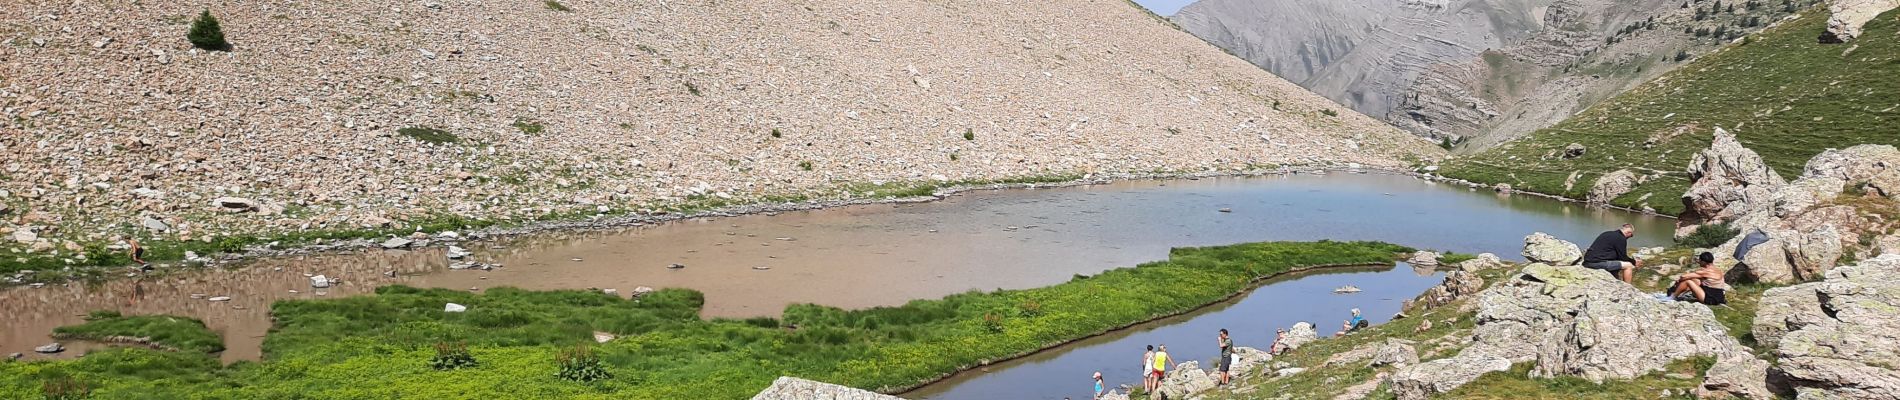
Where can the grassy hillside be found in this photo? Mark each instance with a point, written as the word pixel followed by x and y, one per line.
pixel 391 345
pixel 1783 94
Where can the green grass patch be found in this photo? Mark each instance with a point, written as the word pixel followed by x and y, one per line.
pixel 529 126
pixel 1784 95
pixel 383 344
pixel 556 6
pixel 429 135
pixel 169 332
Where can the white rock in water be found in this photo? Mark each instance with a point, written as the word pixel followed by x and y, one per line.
pixel 452 307
pixel 1347 289
pixel 50 348
pixel 320 281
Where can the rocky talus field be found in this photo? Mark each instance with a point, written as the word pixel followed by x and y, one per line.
pixel 361 115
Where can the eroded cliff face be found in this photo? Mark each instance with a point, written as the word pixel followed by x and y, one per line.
pixel 1489 70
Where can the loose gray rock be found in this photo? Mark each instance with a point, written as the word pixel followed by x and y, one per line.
pixel 1574 150
pixel 397 243
pixel 1423 258
pixel 154 224
pixel 235 204
pixel 49 348
pixel 1739 376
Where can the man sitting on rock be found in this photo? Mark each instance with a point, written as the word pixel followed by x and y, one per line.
pixel 1705 282
pixel 1610 252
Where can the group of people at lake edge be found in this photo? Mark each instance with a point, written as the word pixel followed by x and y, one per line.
pixel 1705 284
pixel 1155 362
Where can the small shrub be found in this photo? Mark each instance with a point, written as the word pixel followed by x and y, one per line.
pixel 450 356
pixel 1329 112
pixel 953 156
pixel 529 126
pixel 65 388
pixel 1708 235
pixel 1030 309
pixel 1446 143
pixel 690 88
pixel 775 134
pixel 557 6
pixel 581 365
pixel 206 34
pixel 969 134
pixel 804 165
pixel 429 135
pixel 993 323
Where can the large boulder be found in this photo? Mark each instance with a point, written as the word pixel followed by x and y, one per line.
pixel 1423 380
pixel 1299 335
pixel 1768 262
pixel 1574 321
pixel 1848 345
pixel 1728 180
pixel 1423 258
pixel 1185 380
pixel 1541 247
pixel 1847 16
pixel 1739 377
pixel 1611 185
pixel 789 388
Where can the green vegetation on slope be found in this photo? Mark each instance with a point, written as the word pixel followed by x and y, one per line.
pixel 1783 94
pixel 376 347
pixel 175 333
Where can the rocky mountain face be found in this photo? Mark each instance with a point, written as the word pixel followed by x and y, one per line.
pixel 346 114
pixel 1470 69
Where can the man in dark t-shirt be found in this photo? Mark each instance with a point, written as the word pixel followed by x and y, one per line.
pixel 1610 252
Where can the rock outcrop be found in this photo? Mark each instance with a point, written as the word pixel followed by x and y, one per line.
pixel 1728 181
pixel 789 388
pixel 1573 321
pixel 1188 379
pixel 1838 338
pixel 1847 16
pixel 1541 247
pixel 1457 285
pixel 1423 258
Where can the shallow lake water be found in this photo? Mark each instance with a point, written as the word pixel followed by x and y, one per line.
pixel 1250 320
pixel 868 255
